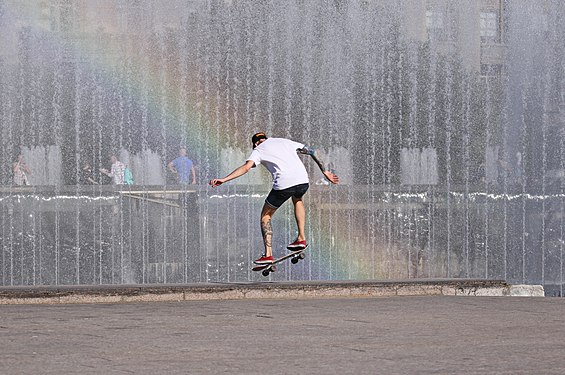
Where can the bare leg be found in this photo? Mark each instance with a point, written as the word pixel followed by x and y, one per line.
pixel 300 216
pixel 267 228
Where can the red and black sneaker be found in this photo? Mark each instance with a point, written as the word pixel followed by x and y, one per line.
pixel 297 245
pixel 264 260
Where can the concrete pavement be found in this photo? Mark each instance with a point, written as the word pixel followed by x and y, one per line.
pixel 392 335
pixel 431 334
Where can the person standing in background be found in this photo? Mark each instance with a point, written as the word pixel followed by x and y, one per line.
pixel 116 172
pixel 183 168
pixel 87 175
pixel 21 170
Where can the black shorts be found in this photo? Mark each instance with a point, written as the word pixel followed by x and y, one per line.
pixel 276 198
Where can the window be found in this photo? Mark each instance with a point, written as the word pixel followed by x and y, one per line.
pixel 435 24
pixel 491 70
pixel 434 19
pixel 540 22
pixel 489 27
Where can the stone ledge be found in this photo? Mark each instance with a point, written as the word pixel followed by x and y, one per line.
pixel 261 290
pixel 527 291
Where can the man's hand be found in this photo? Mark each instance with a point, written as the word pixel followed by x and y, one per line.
pixel 216 182
pixel 333 178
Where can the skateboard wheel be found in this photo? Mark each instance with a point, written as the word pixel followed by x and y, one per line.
pixel 294 260
pixel 302 255
pixel 273 268
pixel 265 273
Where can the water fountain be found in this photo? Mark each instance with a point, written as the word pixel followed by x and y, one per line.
pixel 445 119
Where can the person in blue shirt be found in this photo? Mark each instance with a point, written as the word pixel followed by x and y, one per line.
pixel 183 168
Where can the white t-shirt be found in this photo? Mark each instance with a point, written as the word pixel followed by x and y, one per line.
pixel 280 158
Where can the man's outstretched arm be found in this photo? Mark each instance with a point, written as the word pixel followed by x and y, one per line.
pixel 238 172
pixel 330 176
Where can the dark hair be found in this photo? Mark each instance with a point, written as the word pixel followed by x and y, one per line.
pixel 257 137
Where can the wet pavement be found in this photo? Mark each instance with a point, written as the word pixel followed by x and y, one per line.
pixel 345 335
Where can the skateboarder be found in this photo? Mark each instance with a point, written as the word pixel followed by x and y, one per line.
pixel 290 180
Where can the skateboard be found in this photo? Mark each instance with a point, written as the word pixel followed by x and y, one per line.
pixel 271 267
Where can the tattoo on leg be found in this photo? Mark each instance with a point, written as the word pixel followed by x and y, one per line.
pixel 267 231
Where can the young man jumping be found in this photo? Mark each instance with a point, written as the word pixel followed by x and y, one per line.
pixel 290 180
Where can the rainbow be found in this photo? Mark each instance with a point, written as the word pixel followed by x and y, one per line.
pixel 202 120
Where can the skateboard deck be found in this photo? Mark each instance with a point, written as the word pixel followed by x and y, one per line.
pixel 271 267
